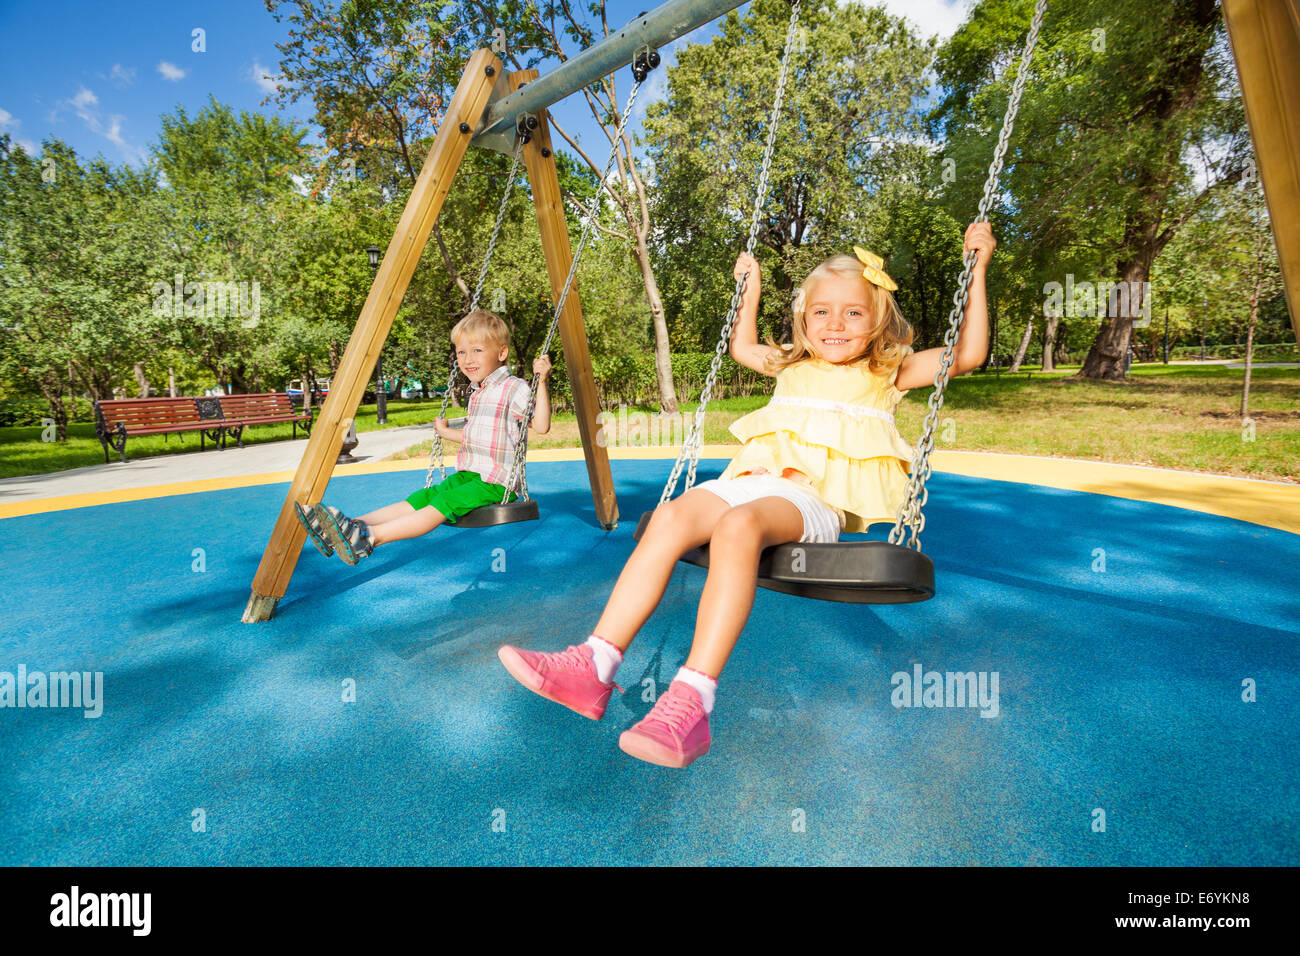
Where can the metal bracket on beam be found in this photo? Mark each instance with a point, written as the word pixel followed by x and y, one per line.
pixel 655 29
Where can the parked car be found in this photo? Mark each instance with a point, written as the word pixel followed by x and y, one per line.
pixel 318 395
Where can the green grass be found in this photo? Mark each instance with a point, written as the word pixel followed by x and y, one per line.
pixel 23 453
pixel 1177 416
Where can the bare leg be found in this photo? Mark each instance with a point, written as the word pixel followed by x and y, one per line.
pixel 728 597
pixel 675 528
pixel 411 525
pixel 388 513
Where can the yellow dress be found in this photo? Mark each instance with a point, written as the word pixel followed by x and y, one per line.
pixel 833 424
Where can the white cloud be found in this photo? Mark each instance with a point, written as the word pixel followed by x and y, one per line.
pixel 85 104
pixel 114 134
pixel 930 16
pixel 170 71
pixel 122 75
pixel 263 77
pixel 9 124
pixel 82 103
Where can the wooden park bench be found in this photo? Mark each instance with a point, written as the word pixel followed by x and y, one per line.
pixel 263 409
pixel 212 416
pixel 118 419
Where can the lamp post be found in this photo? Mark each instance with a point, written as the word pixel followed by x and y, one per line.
pixel 381 393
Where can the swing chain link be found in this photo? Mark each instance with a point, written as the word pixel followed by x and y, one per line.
pixel 517 475
pixel 694 440
pixel 912 512
pixel 435 453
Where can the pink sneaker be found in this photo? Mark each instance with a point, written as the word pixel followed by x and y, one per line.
pixel 568 678
pixel 674 733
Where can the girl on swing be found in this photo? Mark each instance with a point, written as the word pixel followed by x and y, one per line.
pixel 823 456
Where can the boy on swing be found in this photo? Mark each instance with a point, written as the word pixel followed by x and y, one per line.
pixel 498 405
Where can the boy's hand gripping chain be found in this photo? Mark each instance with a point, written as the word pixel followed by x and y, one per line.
pixel 435 454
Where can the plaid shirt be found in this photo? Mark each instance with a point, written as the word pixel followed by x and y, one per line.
pixel 497 407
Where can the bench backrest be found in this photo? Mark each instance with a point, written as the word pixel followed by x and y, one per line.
pixel 149 412
pixel 257 406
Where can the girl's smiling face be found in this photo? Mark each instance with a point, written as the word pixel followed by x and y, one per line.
pixel 837 318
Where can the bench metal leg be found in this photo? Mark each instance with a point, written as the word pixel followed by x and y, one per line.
pixel 118 441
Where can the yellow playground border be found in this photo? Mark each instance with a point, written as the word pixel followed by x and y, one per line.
pixel 1273 504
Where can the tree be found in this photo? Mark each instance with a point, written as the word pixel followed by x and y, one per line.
pixel 219 221
pixel 1117 101
pixel 544 31
pixel 845 139
pixel 381 74
pixel 1258 275
pixel 74 293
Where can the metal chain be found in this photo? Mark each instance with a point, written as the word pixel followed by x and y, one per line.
pixel 435 453
pixel 496 226
pixel 516 474
pixel 694 439
pixel 912 512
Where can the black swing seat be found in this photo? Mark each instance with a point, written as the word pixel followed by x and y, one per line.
pixel 523 509
pixel 864 572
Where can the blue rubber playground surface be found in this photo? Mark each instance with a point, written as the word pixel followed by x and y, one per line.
pixel 1121 633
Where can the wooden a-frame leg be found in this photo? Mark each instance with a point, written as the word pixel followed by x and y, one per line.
pixel 540 163
pixel 1265 38
pixel 314 471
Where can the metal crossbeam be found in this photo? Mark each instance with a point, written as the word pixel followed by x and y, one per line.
pixel 660 26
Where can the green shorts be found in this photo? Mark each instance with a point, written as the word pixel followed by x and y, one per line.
pixel 461 493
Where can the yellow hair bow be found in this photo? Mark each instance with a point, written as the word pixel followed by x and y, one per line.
pixel 874 271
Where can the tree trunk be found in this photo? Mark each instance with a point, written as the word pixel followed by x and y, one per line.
pixel 1024 346
pixel 1049 342
pixel 238 380
pixel 992 354
pixel 663 360
pixel 1250 348
pixel 1179 91
pixel 334 358
pixel 1107 357
pixel 171 382
pixel 308 387
pixel 785 291
pixel 920 296
pixel 141 380
pixel 52 391
pixel 98 381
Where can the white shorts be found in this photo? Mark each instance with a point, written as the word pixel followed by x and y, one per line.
pixel 821 523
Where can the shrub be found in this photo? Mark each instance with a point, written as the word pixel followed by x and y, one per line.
pixel 20 412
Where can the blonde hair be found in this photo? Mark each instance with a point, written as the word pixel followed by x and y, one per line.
pixel 482 326
pixel 891 333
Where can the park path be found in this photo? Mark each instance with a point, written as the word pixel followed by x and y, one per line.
pixel 232 462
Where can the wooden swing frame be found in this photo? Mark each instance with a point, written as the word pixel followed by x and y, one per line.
pixel 482 77
pixel 1265 38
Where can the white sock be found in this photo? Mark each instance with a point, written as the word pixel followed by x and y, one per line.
pixel 706 685
pixel 605 656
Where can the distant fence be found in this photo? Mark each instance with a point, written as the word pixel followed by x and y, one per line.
pixel 1269 352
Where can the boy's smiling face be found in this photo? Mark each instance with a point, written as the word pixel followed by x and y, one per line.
pixel 478 360
pixel 837 318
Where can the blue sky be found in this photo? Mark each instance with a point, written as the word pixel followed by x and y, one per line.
pixel 99 75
